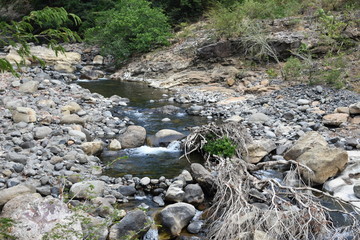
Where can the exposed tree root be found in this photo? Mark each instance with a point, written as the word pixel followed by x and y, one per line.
pixel 246 205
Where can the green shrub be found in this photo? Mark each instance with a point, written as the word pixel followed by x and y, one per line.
pixel 293 68
pixel 223 147
pixel 231 21
pixel 131 27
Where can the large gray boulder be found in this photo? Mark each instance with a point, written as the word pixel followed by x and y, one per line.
pixel 134 136
pixel 325 162
pixel 306 142
pixel 36 217
pixel 134 225
pixel 177 216
pixel 10 193
pixel 87 189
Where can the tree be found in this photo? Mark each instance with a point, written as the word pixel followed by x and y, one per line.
pixel 133 26
pixel 48 25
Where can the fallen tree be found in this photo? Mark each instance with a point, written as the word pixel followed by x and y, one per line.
pixel 249 206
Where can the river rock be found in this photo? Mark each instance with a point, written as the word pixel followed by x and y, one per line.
pixel 164 137
pixel 175 192
pixel 195 227
pixel 114 145
pixel 72 107
pixel 134 136
pixel 64 67
pixel 17 157
pixel 42 132
pixel 87 189
pixel 193 194
pixel 29 87
pixel 203 177
pixel 34 217
pixel 357 190
pixel 133 225
pixel 10 193
pixel 259 149
pixel 77 134
pixel 325 162
pixel 306 142
pixel 127 190
pixel 98 60
pixel 24 114
pixel 177 216
pixel 335 119
pixel 354 108
pixel 258 118
pixel 92 148
pixel 72 118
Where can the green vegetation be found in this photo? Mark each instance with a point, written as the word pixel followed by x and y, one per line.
pixel 223 147
pixel 47 25
pixel 5 226
pixel 133 26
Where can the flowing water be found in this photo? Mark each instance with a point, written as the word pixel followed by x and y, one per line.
pixel 146 161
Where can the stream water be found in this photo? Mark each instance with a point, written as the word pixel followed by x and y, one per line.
pixel 147 161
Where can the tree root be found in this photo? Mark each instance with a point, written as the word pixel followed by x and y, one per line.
pixel 246 205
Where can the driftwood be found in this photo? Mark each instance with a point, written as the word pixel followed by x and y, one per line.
pixel 246 206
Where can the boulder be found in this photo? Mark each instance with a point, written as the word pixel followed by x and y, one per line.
pixel 127 190
pixel 306 142
pixel 164 137
pixel 177 216
pixel 175 192
pixel 87 189
pixel 88 72
pixel 24 114
pixel 193 194
pixel 91 148
pixel 134 136
pixel 134 225
pixel 36 217
pixel 203 177
pixel 29 87
pixel 325 162
pixel 42 132
pixel 77 134
pixel 335 119
pixel 10 193
pixel 259 149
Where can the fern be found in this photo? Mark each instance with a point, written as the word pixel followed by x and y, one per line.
pixel 48 24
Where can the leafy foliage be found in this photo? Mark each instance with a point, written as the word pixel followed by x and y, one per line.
pixel 45 25
pixel 133 26
pixel 223 147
